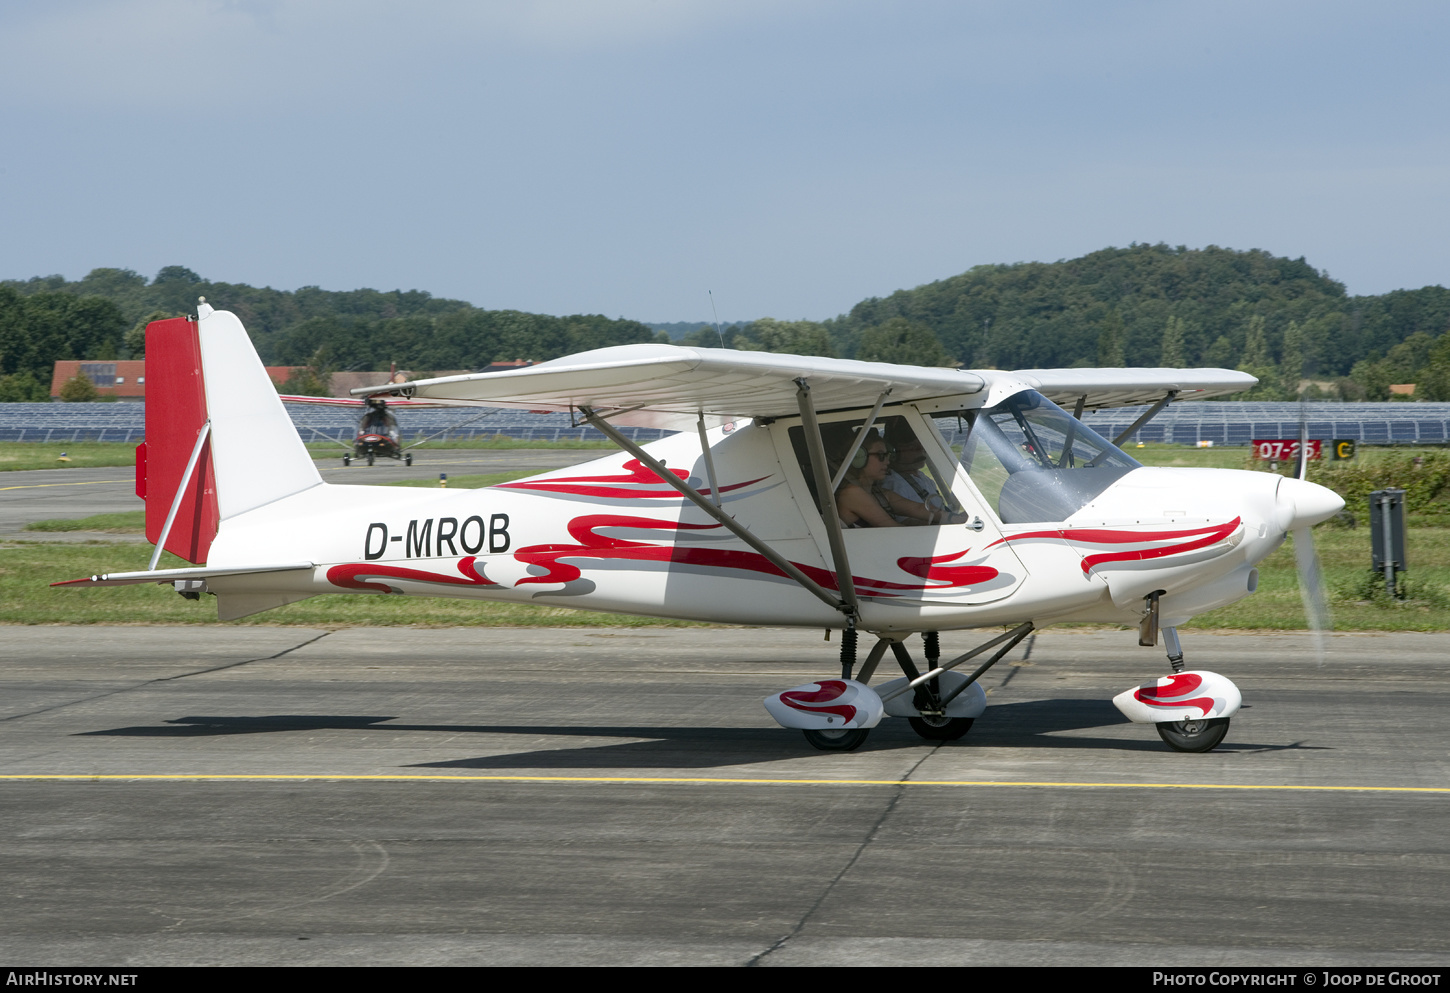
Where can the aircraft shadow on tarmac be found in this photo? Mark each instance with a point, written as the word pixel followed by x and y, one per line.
pixel 1028 724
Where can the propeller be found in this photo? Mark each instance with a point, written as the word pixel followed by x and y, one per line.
pixel 1306 557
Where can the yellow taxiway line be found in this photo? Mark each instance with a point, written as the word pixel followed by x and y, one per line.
pixel 40 486
pixel 698 780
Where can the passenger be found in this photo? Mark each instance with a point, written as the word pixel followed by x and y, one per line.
pixel 860 500
pixel 906 481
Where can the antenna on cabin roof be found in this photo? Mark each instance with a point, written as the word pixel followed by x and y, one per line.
pixel 717 318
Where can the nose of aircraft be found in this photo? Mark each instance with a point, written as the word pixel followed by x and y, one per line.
pixel 1302 503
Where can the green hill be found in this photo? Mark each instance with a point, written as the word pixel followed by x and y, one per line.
pixel 1144 305
pixel 1036 314
pixel 348 330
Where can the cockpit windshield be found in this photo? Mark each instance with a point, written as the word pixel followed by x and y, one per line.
pixel 378 420
pixel 1034 462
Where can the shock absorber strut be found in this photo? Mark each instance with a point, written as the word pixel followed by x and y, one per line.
pixel 848 647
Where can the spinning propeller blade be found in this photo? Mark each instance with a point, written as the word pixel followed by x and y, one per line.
pixel 1306 557
pixel 1311 589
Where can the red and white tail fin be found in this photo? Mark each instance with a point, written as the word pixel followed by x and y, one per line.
pixel 175 415
pixel 206 373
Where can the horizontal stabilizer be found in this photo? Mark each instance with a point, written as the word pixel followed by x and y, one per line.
pixel 172 575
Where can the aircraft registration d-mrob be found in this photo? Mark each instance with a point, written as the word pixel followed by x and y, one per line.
pixel 1037 519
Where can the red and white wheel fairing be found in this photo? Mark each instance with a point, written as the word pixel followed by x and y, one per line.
pixel 1184 696
pixel 826 705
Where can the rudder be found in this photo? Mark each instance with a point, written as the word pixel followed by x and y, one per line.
pixel 175 413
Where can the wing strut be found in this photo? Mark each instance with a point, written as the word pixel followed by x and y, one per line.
pixel 826 497
pixel 860 440
pixel 709 459
pixel 1148 415
pixel 734 526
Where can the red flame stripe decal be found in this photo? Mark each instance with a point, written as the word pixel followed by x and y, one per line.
pixel 1090 536
pixel 957 575
pixel 593 545
pixel 1173 693
pixel 638 475
pixel 347 576
pixel 809 700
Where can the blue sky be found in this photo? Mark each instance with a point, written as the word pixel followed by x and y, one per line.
pixel 626 156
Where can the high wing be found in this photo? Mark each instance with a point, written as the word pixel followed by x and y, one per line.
pixel 1123 387
pixel 670 385
pixel 355 404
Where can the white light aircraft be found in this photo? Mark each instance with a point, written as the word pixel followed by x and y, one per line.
pixel 1037 520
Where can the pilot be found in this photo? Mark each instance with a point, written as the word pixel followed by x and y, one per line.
pixel 860 500
pixel 907 480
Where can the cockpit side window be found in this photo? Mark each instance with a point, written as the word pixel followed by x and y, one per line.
pixel 913 485
pixel 1034 462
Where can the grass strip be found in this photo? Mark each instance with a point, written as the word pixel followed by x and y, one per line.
pixel 122 522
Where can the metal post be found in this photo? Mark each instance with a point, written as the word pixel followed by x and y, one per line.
pixel 1387 552
pixel 1387 525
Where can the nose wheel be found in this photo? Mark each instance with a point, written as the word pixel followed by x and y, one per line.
pixel 1193 736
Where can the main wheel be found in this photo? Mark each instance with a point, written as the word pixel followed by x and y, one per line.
pixel 408 459
pixel 837 740
pixel 1193 736
pixel 347 460
pixel 940 728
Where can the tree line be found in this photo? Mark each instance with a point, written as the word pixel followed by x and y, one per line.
pixel 1145 305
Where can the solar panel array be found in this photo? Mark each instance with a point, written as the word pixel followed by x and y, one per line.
pixel 126 422
pixel 1223 423
pixel 1238 423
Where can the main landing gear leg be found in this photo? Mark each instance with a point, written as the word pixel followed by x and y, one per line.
pixel 1188 736
pixel 931 722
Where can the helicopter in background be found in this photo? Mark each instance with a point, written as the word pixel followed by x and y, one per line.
pixel 377 436
pixel 377 433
